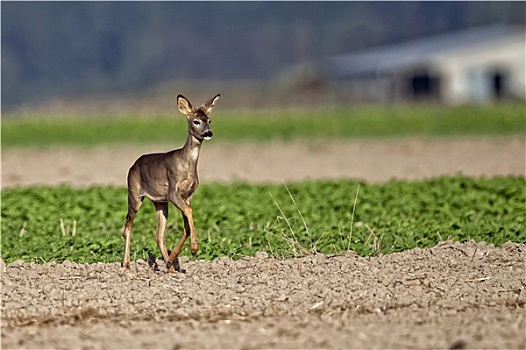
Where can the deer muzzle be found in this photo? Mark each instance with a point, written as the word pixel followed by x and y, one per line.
pixel 208 135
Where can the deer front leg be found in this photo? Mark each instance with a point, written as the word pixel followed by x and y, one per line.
pixel 189 228
pixel 177 250
pixel 193 235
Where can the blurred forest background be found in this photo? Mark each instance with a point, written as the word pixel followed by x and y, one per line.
pixel 68 50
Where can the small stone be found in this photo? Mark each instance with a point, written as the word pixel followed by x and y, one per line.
pixel 224 260
pixel 261 255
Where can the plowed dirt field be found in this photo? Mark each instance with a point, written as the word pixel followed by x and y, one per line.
pixel 451 296
pixel 468 295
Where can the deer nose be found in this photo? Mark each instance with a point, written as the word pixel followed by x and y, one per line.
pixel 208 135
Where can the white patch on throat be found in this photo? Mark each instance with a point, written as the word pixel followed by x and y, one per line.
pixel 194 153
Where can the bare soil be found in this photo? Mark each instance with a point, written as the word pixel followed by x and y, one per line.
pixel 370 160
pixel 455 296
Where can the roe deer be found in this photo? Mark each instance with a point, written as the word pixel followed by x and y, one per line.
pixel 170 177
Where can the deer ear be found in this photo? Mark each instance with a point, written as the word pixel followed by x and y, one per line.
pixel 209 105
pixel 184 105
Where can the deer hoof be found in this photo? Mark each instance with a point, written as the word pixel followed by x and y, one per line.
pixel 172 266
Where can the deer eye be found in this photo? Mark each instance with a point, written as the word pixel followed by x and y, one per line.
pixel 197 122
pixel 209 122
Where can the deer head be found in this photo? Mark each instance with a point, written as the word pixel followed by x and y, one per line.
pixel 198 121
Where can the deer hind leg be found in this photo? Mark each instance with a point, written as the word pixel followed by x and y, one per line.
pixel 161 209
pixel 134 203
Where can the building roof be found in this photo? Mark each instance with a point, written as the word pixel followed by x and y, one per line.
pixel 385 59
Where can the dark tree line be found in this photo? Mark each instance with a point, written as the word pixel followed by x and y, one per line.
pixel 54 48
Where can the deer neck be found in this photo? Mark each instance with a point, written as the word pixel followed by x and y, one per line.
pixel 191 149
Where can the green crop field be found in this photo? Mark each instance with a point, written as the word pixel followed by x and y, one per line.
pixel 85 225
pixel 239 126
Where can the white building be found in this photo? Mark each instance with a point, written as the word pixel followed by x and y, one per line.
pixel 472 66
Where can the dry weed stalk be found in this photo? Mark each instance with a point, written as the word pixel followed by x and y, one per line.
pixel 23 230
pixel 297 248
pixel 376 241
pixel 65 231
pixel 352 218
pixel 299 212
